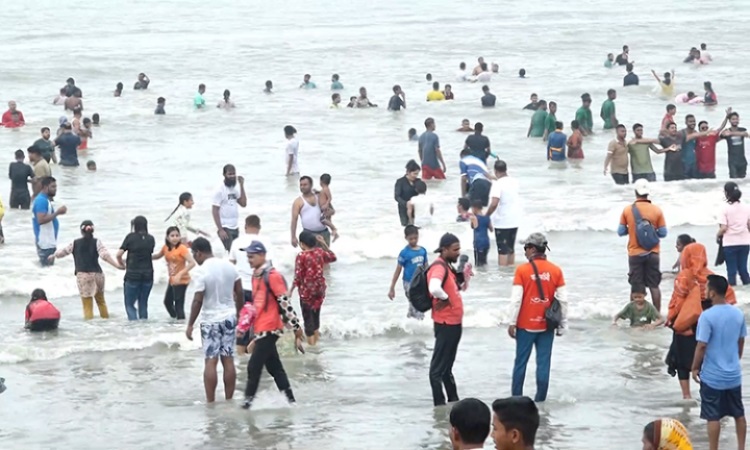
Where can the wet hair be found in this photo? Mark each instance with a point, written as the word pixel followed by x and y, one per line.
pixel 483 66
pixel 464 202
pixel 574 125
pixel 396 88
pixel 46 181
pixel 625 48
pixel 160 100
pixel 636 126
pixel 184 197
pixel 290 130
pixel 86 120
pixel 718 284
pixel 78 111
pixel 71 80
pixel 478 127
pixel 307 75
pixel 91 164
pixel 306 178
pixel 732 192
pixel 410 230
pixel 335 96
pixel 335 77
pixel 201 245
pixel 462 66
pixel 252 221
pixel 120 86
pixel 412 166
pixel 95 117
pixel 227 168
pixel 325 179
pixel 485 88
pixel 307 238
pixel 611 91
pixel 703 46
pixel 501 166
pixel 226 94
pixel 559 125
pixel 638 289
pixel 629 67
pixel 621 127
pixel 38 294
pixel 685 239
pixel 707 85
pixel 428 77
pixel 522 72
pixel 586 97
pixel 477 203
pixel 420 186
pixel 518 413
pixel 20 154
pixel 429 121
pixel 436 85
pixel 471 418
pixel 140 225
pixel 166 238
pixel 412 132
pixel 269 83
pixel 201 86
pixel 448 86
pixel 733 115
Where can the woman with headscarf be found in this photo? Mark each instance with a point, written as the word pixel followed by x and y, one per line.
pixel 86 252
pixel 684 310
pixel 666 434
pixel 139 270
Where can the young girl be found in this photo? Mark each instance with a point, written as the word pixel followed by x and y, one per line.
pixel 309 279
pixel 179 263
pixel 180 218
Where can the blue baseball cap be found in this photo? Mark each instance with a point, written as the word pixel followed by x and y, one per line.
pixel 255 247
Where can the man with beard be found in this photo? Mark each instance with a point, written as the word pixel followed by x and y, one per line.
pixel 45 221
pixel 224 206
pixel 306 208
pixel 735 137
pixel 46 146
pixel 444 285
pixel 705 148
pixel 688 149
pixel 673 166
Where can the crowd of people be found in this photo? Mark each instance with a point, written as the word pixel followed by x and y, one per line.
pixel 245 304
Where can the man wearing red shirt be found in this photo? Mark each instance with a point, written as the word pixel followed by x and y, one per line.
pixel 444 285
pixel 528 324
pixel 705 148
pixel 13 118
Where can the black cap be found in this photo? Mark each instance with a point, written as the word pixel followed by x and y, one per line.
pixel 87 223
pixel 446 241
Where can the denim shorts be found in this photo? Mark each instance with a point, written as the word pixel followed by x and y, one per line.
pixel 219 338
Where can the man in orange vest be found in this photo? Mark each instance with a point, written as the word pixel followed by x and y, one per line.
pixel 528 323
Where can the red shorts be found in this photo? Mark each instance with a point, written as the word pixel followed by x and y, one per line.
pixel 84 145
pixel 428 173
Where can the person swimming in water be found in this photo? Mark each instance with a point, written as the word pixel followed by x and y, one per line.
pixel 465 126
pixel 161 102
pixel 667 85
pixel 522 73
pixel 95 119
pixel 269 87
pixel 226 103
pixel 142 83
pixel 118 89
pixel 413 136
pixel 41 315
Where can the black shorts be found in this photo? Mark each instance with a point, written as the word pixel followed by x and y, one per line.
pixel 620 178
pixel 480 256
pixel 480 190
pixel 650 177
pixel 231 236
pixel 20 199
pixel 717 404
pixel 506 240
pixel 311 319
pixel 737 170
pixel 44 325
pixel 644 270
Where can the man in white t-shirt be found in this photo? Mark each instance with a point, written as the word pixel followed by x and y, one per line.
pixel 218 299
pixel 224 206
pixel 506 213
pixel 238 256
pixel 292 150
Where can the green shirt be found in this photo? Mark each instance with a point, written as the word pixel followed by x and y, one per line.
pixel 583 116
pixel 549 123
pixel 198 101
pixel 608 110
pixel 538 123
pixel 336 85
pixel 639 317
pixel 608 63
pixel 640 158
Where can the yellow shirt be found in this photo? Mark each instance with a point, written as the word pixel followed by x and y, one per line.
pixel 434 96
pixel 667 89
pixel 2 209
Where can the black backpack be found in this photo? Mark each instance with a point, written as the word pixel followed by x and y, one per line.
pixel 645 232
pixel 419 291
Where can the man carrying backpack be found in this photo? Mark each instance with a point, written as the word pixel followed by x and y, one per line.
pixel 540 302
pixel 444 286
pixel 644 224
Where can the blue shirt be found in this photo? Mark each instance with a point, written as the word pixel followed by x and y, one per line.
pixel 556 146
pixel 429 143
pixel 473 167
pixel 410 259
pixel 720 328
pixel 45 235
pixel 336 85
pixel 481 236
pixel 68 143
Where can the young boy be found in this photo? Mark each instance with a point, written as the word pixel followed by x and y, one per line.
pixel 324 198
pixel 161 102
pixel 640 312
pixel 309 279
pixel 91 165
pixel 463 205
pixel 335 101
pixel 420 208
pixel 411 257
pixel 20 174
pixel 413 136
pixel 481 225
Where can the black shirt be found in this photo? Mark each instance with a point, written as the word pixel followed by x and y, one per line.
pixel 630 79
pixel 68 143
pixel 488 99
pixel 478 144
pixel 140 85
pixel 533 106
pixel 140 247
pixel 159 110
pixel 19 174
pixel 622 60
pixel 396 103
pixel 403 192
pixel 736 147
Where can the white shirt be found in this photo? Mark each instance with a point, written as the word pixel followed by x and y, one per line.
pixel 292 148
pixel 463 75
pixel 422 210
pixel 181 220
pixel 484 76
pixel 236 255
pixel 226 199
pixel 216 279
pixel 509 210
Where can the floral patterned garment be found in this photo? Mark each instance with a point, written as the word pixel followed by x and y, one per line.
pixel 308 275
